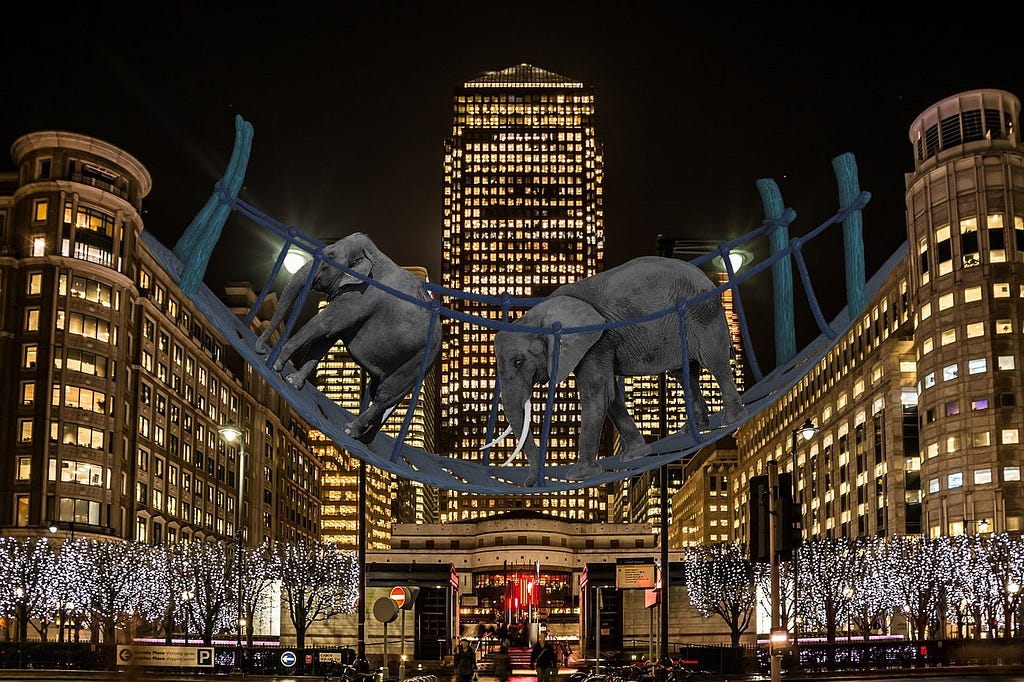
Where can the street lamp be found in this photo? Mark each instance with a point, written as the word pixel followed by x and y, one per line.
pixel 848 593
pixel 231 433
pixel 54 527
pixel 186 598
pixel 1013 587
pixel 807 431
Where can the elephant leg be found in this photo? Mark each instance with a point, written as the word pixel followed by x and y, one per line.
pixel 697 407
pixel 284 304
pixel 597 392
pixel 633 444
pixel 733 406
pixel 318 349
pixel 385 393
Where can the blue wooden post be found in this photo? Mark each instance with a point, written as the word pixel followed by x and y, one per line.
pixel 782 274
pixel 196 244
pixel 845 167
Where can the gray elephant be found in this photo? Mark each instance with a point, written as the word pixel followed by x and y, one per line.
pixel 385 334
pixel 638 288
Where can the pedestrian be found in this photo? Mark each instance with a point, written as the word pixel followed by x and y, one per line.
pixel 543 659
pixel 502 663
pixel 465 662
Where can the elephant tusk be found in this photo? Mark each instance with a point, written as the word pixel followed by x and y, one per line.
pixel 387 413
pixel 498 439
pixel 524 435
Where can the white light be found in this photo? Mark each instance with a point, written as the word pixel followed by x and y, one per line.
pixel 779 637
pixel 736 261
pixel 294 260
pixel 230 433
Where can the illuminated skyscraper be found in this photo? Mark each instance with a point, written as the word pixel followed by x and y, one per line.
pixel 523 214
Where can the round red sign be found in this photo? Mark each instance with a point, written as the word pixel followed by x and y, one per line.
pixel 398 595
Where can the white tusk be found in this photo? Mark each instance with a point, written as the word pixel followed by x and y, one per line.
pixel 387 413
pixel 498 439
pixel 527 422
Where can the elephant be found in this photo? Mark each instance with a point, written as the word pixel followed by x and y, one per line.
pixel 385 334
pixel 638 288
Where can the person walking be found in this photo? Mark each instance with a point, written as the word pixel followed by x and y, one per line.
pixel 543 658
pixel 502 663
pixel 465 662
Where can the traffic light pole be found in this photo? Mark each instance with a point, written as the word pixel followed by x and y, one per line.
pixel 775 649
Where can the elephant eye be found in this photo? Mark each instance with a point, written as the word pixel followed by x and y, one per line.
pixel 517 363
pixel 356 261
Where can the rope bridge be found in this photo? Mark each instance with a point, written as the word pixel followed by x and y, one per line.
pixel 188 261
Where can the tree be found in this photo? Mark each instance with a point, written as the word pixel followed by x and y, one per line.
pixel 114 581
pixel 26 581
pixel 720 581
pixel 319 580
pixel 920 570
pixel 259 574
pixel 207 568
pixel 827 566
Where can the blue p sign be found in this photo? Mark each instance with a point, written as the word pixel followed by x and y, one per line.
pixel 288 658
pixel 204 657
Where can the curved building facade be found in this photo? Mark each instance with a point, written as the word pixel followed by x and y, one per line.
pixel 965 227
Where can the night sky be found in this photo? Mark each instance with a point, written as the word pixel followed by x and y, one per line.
pixel 351 103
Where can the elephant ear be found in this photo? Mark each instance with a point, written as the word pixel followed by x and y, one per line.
pixel 570 312
pixel 331 278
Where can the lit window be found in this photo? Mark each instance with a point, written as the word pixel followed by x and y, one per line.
pixel 975 329
pixel 908 366
pixel 933 485
pixel 32 320
pixel 25 430
pixel 980 439
pixel 972 294
pixel 932 450
pixel 929 379
pixel 926 311
pixel 40 210
pixel 945 252
pixel 35 283
pixel 947 337
pixel 950 372
pixel 977 366
pixel 955 480
pixel 24 470
pixel 928 346
pixel 979 404
pixel 1011 473
pixel 996 238
pixel 946 301
pixel 1010 437
pixel 1004 326
pixel 982 476
pixel 38 247
pixel 952 408
pixel 952 444
pixel 1001 290
pixel 1005 362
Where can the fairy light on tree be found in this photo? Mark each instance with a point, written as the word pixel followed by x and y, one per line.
pixel 827 565
pixel 318 580
pixel 208 575
pixel 114 580
pixel 720 582
pixel 259 575
pixel 920 573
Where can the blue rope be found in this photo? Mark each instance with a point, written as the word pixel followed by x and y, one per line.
pixel 435 309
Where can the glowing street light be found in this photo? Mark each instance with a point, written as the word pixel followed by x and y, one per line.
pixel 231 433
pixel 294 260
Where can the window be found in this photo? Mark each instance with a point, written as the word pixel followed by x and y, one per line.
pixel 977 366
pixel 24 472
pixel 28 355
pixel 932 450
pixel 950 372
pixel 1010 437
pixel 955 480
pixel 975 329
pixel 979 403
pixel 927 346
pixel 996 238
pixel 947 337
pixel 946 301
pixel 952 444
pixel 40 210
pixel 1004 326
pixel 933 485
pixel 972 294
pixel 926 310
pixel 952 408
pixel 35 284
pixel 32 319
pixel 982 476
pixel 25 431
pixel 1011 473
pixel 1001 290
pixel 28 393
pixel 980 439
pixel 1005 362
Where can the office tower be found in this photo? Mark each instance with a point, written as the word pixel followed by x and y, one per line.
pixel 119 384
pixel 965 212
pixel 523 214
pixel 390 499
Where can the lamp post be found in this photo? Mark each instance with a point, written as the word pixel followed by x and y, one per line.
pixel 186 598
pixel 1012 587
pixel 807 431
pixel 230 433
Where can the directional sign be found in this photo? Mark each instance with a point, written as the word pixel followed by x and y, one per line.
pixel 165 656
pixel 634 572
pixel 287 658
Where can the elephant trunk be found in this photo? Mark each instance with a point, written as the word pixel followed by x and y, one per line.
pixel 518 409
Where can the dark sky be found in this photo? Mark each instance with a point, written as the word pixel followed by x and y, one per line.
pixel 351 103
